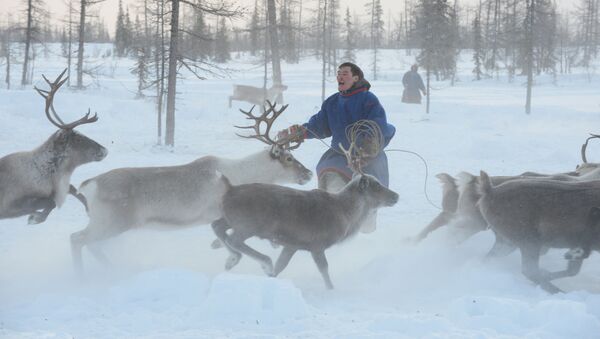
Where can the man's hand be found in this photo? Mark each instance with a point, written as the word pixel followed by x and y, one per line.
pixel 294 133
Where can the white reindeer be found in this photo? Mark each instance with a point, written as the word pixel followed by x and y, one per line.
pixel 256 95
pixel 177 196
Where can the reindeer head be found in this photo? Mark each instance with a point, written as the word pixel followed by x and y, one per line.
pixel 279 152
pixel 369 135
pixel 67 144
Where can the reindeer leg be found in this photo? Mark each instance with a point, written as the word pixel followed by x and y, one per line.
pixel 73 191
pixel 220 228
pixel 284 259
pixel 321 261
pixel 90 236
pixel 530 267
pixel 442 219
pixel 37 217
pixel 575 257
pixel 236 241
pixel 502 247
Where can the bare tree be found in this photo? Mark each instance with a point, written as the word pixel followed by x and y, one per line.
pixel 529 24
pixel 34 13
pixel 375 11
pixel 221 9
pixel 274 40
pixel 5 51
pixel 84 5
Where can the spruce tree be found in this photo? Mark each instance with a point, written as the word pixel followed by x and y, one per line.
pixel 349 51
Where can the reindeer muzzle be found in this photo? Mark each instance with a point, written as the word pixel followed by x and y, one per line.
pixel 101 154
pixel 305 177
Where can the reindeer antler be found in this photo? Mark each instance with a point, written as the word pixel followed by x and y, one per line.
pixel 366 142
pixel 49 96
pixel 258 120
pixel 584 146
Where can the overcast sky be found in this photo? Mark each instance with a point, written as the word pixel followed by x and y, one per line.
pixel 108 8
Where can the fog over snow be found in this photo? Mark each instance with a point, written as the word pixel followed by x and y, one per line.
pixel 171 284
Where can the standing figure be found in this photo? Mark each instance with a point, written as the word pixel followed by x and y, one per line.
pixel 353 102
pixel 413 86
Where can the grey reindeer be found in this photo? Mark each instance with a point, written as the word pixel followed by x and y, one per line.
pixel 178 196
pixel 298 220
pixel 460 196
pixel 35 182
pixel 535 213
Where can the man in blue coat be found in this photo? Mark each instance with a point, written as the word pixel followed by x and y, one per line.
pixel 352 103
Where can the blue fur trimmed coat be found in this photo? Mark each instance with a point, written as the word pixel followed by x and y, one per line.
pixel 341 110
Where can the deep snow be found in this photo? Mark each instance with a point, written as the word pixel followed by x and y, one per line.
pixel 173 285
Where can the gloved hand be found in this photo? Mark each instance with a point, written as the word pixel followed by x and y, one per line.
pixel 294 133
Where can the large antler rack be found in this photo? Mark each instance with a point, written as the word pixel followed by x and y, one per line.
pixel 584 146
pixel 51 112
pixel 267 117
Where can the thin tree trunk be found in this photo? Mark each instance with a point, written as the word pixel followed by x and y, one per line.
pixel 159 62
pixel 7 42
pixel 531 21
pixel 69 49
pixel 324 56
pixel 24 80
pixel 275 57
pixel 80 47
pixel 172 76
pixel 428 89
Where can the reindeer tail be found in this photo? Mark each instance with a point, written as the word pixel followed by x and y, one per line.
pixel 450 192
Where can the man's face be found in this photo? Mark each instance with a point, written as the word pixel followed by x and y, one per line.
pixel 345 78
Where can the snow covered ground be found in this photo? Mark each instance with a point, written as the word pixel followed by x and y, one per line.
pixel 172 285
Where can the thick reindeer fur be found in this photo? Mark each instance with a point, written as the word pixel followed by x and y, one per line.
pixel 460 196
pixel 173 196
pixel 334 182
pixel 298 220
pixel 39 179
pixel 536 213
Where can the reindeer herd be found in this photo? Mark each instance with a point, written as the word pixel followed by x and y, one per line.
pixel 240 198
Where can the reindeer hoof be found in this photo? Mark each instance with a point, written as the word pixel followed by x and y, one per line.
pixel 216 244
pixel 232 260
pixel 576 253
pixel 36 218
pixel 267 266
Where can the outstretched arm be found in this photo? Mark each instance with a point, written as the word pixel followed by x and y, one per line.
pixel 318 125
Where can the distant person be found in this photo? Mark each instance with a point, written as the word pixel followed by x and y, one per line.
pixel 413 86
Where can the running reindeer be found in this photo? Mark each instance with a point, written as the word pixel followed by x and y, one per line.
pixel 298 220
pixel 538 213
pixel 177 196
pixel 35 182
pixel 459 199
